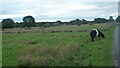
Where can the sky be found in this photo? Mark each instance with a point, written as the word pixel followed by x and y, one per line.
pixel 53 10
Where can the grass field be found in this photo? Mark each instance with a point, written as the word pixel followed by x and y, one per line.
pixel 39 46
pixel 0 49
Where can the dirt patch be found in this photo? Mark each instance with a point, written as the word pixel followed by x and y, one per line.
pixel 66 35
pixel 30 42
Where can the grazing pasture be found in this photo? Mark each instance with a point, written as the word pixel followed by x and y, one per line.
pixel 57 46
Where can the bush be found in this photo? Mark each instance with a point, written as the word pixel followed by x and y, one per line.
pixel 7 23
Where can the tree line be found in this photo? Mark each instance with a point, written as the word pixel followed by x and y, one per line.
pixel 29 21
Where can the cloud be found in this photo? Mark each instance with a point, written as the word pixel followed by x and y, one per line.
pixel 59 0
pixel 15 15
pixel 50 10
pixel 114 14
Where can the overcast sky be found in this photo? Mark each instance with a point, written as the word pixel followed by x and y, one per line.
pixel 53 10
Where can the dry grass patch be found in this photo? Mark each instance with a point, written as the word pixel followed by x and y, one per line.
pixel 48 55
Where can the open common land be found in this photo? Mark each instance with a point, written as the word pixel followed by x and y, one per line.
pixel 57 46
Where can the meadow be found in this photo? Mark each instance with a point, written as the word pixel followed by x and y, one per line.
pixel 57 46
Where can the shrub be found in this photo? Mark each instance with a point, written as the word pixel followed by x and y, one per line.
pixel 7 23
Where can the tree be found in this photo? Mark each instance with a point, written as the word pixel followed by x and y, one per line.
pixel 28 21
pixel 84 21
pixel 59 22
pixel 17 24
pixel 78 21
pixel 7 23
pixel 118 19
pixel 100 20
pixel 111 19
pixel 75 22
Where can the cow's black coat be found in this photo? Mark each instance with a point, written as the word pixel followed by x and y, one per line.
pixel 94 32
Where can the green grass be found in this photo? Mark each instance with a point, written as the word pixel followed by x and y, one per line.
pixel 0 45
pixel 0 49
pixel 18 46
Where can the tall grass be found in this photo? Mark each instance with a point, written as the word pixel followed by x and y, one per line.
pixel 49 55
pixel 73 28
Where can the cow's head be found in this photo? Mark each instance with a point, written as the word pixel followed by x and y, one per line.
pixel 102 35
